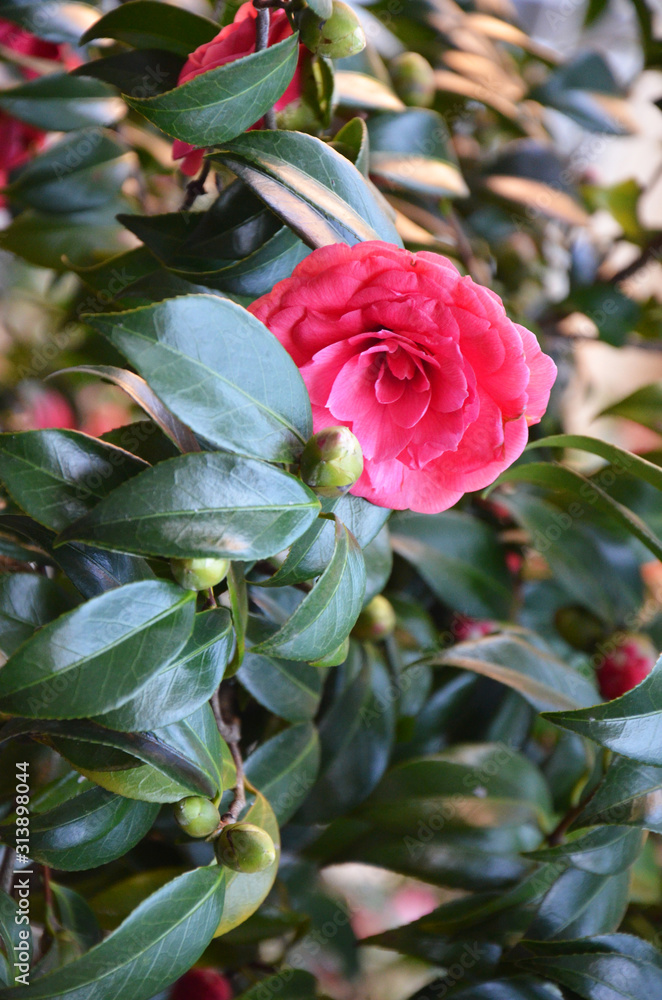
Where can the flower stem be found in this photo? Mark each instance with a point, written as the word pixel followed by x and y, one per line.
pixel 262 42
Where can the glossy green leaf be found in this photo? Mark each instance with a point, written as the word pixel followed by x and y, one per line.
pixel 289 689
pixel 513 660
pixel 181 759
pixel 94 658
pixel 202 506
pixel 138 390
pixel 313 188
pixel 474 785
pixel 605 967
pixel 57 475
pixel 138 72
pixel 58 240
pixel 27 601
pixel 63 103
pixel 356 737
pixel 185 684
pixel 239 389
pixel 89 830
pixel 220 104
pixel 90 570
pixel 284 769
pixel 580 904
pixel 621 461
pixel 629 794
pixel 312 552
pixel 80 929
pixel 327 614
pixel 558 477
pixel 459 558
pixel 631 725
pixel 601 850
pixel 518 987
pixel 160 941
pixel 148 24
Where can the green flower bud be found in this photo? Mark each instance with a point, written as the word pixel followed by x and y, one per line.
pixel 199 574
pixel 246 848
pixel 413 79
pixel 376 621
pixel 197 816
pixel 335 658
pixel 337 36
pixel 580 629
pixel 332 461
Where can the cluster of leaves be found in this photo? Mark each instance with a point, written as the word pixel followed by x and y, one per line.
pixel 482 766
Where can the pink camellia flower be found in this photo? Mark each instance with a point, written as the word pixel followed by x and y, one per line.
pixel 423 365
pixel 626 665
pixel 235 41
pixel 202 984
pixel 465 629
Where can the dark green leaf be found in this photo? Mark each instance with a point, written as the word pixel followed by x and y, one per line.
pixel 57 475
pixel 186 683
pixel 601 850
pixel 299 985
pixel 630 725
pixel 59 22
pixel 459 558
pixel 629 794
pixel 220 104
pixel 45 239
pixel 97 656
pixel 512 659
pixel 239 389
pixel 141 73
pixel 160 941
pixel 80 926
pixel 620 460
pixel 607 967
pixel 150 24
pixel 643 406
pixel 63 103
pixel 284 769
pixel 27 601
pixel 90 570
pixel 313 188
pixel 89 830
pixel 327 614
pixel 558 477
pixel 580 904
pixel 202 506
pixel 289 690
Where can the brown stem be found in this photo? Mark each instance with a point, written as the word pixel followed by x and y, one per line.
pixel 651 252
pixel 195 188
pixel 558 833
pixel 229 726
pixel 262 42
pixel 48 892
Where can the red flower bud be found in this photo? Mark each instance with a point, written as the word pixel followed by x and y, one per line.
pixel 202 984
pixel 625 666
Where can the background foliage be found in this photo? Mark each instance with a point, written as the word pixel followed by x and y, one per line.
pixel 469 762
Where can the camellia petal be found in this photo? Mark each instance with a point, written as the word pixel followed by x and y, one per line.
pixel 422 363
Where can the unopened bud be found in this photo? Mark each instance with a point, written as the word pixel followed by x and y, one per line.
pixel 197 816
pixel 199 574
pixel 337 36
pixel 413 79
pixel 332 461
pixel 580 629
pixel 246 848
pixel 376 621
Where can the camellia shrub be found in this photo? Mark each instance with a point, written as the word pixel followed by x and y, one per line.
pixel 299 566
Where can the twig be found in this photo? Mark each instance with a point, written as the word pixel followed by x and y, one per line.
pixel 651 252
pixel 211 601
pixel 558 833
pixel 195 188
pixel 229 726
pixel 7 870
pixel 262 25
